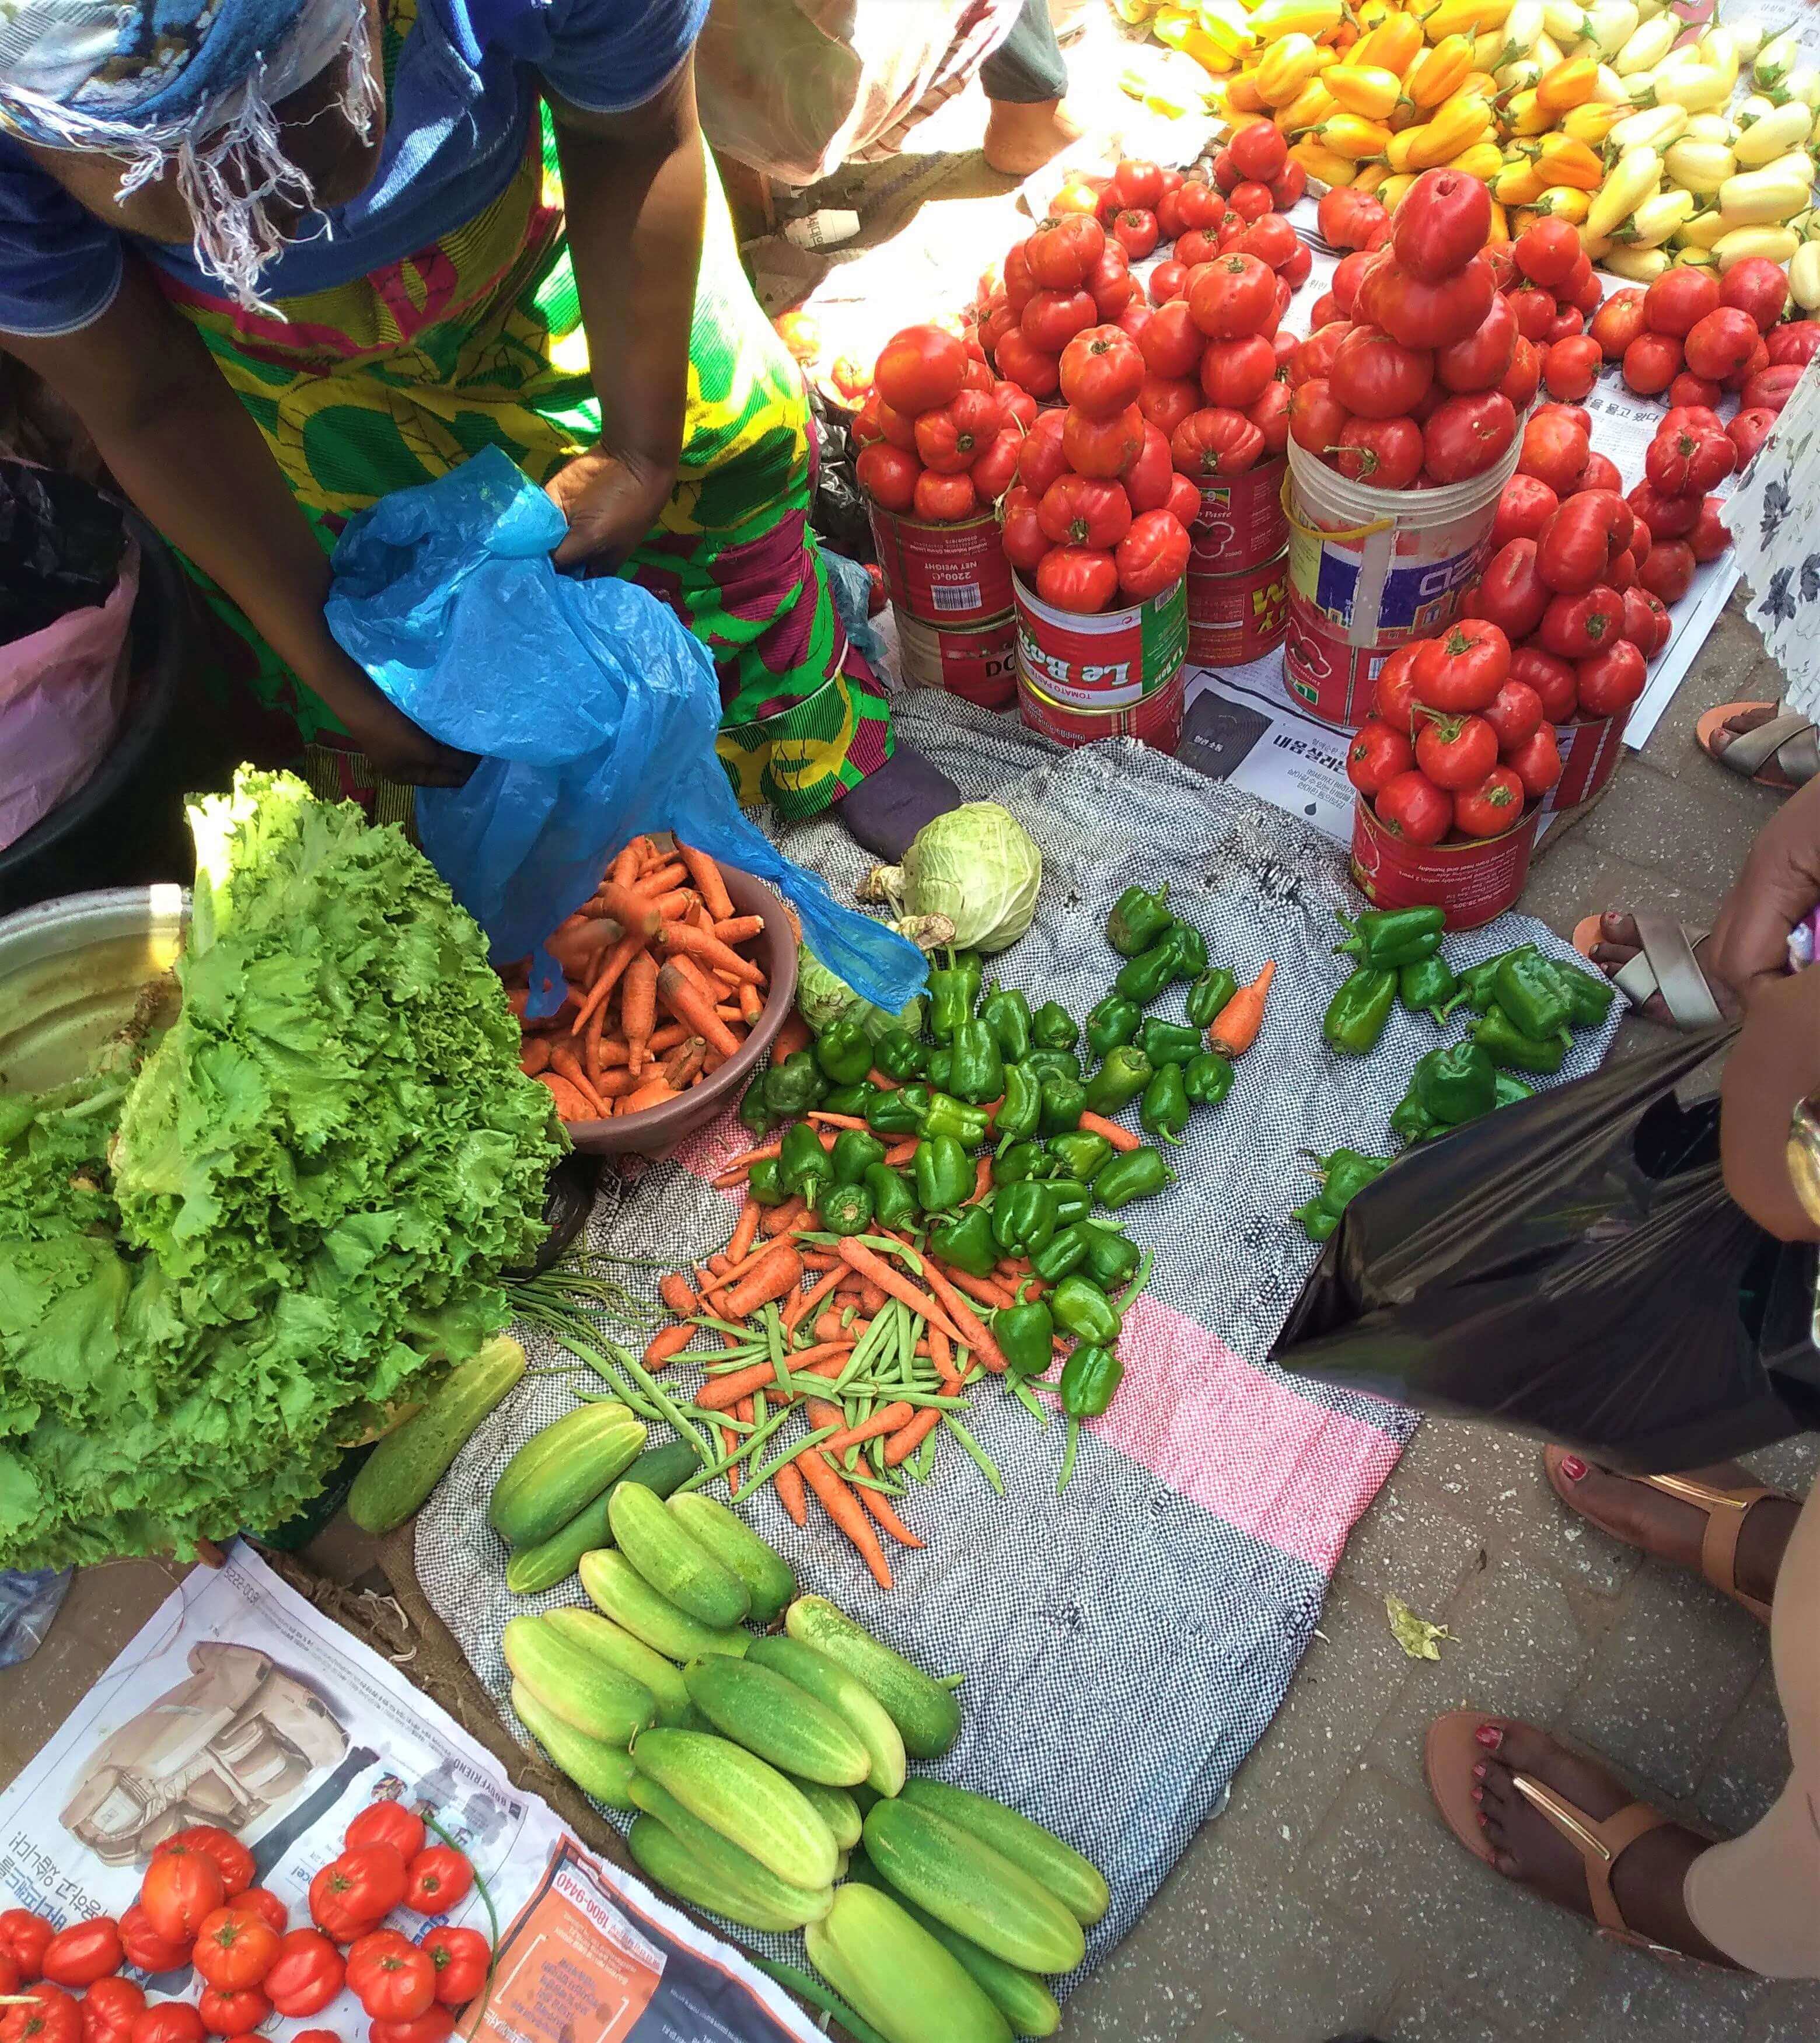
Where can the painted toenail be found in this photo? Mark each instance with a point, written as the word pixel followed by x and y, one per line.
pixel 1573 1468
pixel 1489 1736
pixel 1485 1821
pixel 1481 1771
pixel 1478 1794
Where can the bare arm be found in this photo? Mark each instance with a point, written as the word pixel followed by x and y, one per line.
pixel 187 454
pixel 634 187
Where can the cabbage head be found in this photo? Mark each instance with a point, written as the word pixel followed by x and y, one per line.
pixel 977 865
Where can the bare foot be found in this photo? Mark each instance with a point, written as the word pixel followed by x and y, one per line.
pixel 1647 1877
pixel 1619 944
pixel 1736 726
pixel 1020 138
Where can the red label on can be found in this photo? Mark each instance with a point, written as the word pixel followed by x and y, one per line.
pixel 1589 755
pixel 1157 719
pixel 1235 619
pixel 1109 659
pixel 943 574
pixel 1325 676
pixel 1242 523
pixel 979 664
pixel 1474 882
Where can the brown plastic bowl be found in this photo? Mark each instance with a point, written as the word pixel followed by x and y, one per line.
pixel 659 1129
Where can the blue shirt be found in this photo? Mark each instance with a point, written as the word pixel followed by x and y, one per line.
pixel 464 94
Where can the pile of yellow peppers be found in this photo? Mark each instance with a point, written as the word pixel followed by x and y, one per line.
pixel 1612 116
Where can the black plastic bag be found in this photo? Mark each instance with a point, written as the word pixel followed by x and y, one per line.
pixel 1572 1266
pixel 60 547
pixel 838 513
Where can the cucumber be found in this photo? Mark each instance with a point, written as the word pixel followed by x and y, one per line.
pixel 769 1579
pixel 749 1802
pixel 555 1559
pixel 412 1459
pixel 972 1888
pixel 835 1807
pixel 733 1870
pixel 616 1649
pixel 598 1701
pixel 561 1469
pixel 615 1586
pixel 1076 1882
pixel 927 1715
pixel 687 1574
pixel 672 1863
pixel 847 1694
pixel 603 1771
pixel 897 1975
pixel 777 1720
pixel 1025 2003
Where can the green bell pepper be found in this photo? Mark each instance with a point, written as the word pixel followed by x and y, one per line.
pixel 1022 1106
pixel 1005 1010
pixel 894 1203
pixel 1209 993
pixel 1428 987
pixel 1143 977
pixel 1053 1064
pixel 1589 996
pixel 1344 1175
pixel 1118 1081
pixel 846 1208
pixel 1065 1250
pixel 1531 992
pixel 942 1174
pixel 1479 982
pixel 1391 937
pixel 1169 1042
pixel 1081 1309
pixel 966 1241
pixel 978 1072
pixel 1138 919
pixel 1084 1156
pixel 844 1050
pixel 1113 1024
pixel 1023 1216
pixel 949 1116
pixel 1165 1110
pixel 1207 1079
pixel 1356 1014
pixel 1112 1256
pixel 900 1112
pixel 764 1184
pixel 803 1161
pixel 1021 1161
pixel 953 989
pixel 1317 1223
pixel 1064 1101
pixel 1456 1083
pixel 1073 1202
pixel 1509 1090
pixel 1505 1043
pixel 900 1054
pixel 795 1086
pixel 1134 1175
pixel 854 1099
pixel 1091 1378
pixel 1412 1120
pixel 853 1155
pixel 1026 1338
pixel 938 1067
pixel 1053 1027
pixel 756 1115
pixel 1190 951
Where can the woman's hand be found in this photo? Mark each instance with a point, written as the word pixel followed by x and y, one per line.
pixel 1774 1065
pixel 1749 946
pixel 611 503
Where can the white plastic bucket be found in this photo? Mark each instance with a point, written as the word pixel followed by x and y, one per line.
pixel 1376 567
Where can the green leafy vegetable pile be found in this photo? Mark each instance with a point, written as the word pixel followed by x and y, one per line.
pixel 217 1271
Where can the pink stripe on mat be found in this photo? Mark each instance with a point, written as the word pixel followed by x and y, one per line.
pixel 1237 1441
pixel 705 1155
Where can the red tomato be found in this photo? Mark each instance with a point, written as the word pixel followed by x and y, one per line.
pixel 1510 594
pixel 1570 368
pixel 1171 344
pixel 1721 342
pixel 1483 359
pixel 1317 418
pixel 1423 314
pixel 1536 762
pixel 1748 431
pixel 1524 376
pixel 1575 627
pixel 1102 447
pixel 1056 259
pixel 83 1952
pixel 1667 517
pixel 1041 458
pixel 1269 413
pixel 950 438
pixel 1232 297
pixel 1709 538
pixel 1679 300
pixel 1297 267
pixel 1612 679
pixel 1546 252
pixel 1376 755
pixel 1290 183
pixel 897 430
pixel 1201 205
pixel 943 500
pixel 1394 695
pixel 1440 224
pixel 920 368
pixel 110 2007
pixel 24 1938
pixel 1259 151
pixel 260 1901
pixel 1226 173
pixel 1411 806
pixel 434 2026
pixel 1349 274
pixel 318 2035
pixel 1455 752
pixel 1134 319
pixel 1526 505
pixel 1169 218
pixel 1167 282
pixel 1136 231
pixel 145 1948
pixel 1646 622
pixel 1600 472
pixel 1552 677
pixel 1136 182
pixel 1534 310
pixel 1758 288
pixel 1236 373
pixel 1216 441
pixel 1669 570
pixel 1016 406
pixel 1689 391
pixel 1348 219
pixel 396 1983
pixel 1797 341
pixel 1583 290
pixel 1078 578
pixel 45 2014
pixel 234 1948
pixel 1741 375
pixel 1019 530
pixel 1083 511
pixel 462 1958
pixel 1101 370
pixel 1166 400
pixel 169 2022
pixel 1000 321
pixel 1314 356
pixel 1195 247
pixel 1020 285
pixel 993 470
pixel 980 376
pixel 1690 461
pixel 1152 556
pixel 1467 435
pixel 1147 481
pixel 1579 542
pixel 1570 324
pixel 1491 808
pixel 225 1849
pixel 1110 284
pixel 1184 501
pixel 233 2013
pixel 1385 453
pixel 1501 258
pixel 1623 571
pixel 1271 239
pixel 1617 322
pixel 1514 714
pixel 1250 200
pixel 1052 318
pixel 305 1975
pixel 181 1885
pixel 364 1884
pixel 1375 378
pixel 1651 362
pixel 887 475
pixel 1769 390
pixel 1462 669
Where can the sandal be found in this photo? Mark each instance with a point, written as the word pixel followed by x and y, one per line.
pixel 1451 1751
pixel 1665 963
pixel 1725 1511
pixel 1782 753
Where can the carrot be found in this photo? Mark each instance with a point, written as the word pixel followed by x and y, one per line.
pixel 885 1420
pixel 710 950
pixel 1236 1027
pixel 659 879
pixel 907 1439
pixel 835 1120
pixel 871 1298
pixel 615 1084
pixel 820 1413
pixel 737 929
pixel 570 1103
pixel 988 1291
pixel 653 1092
pixel 624 869
pixel 882 1080
pixel 800 1309
pixel 780 1220
pixel 900 1153
pixel 942 1356
pixel 629 908
pixel 616 963
pixel 730 1271
pixel 741 1164
pixel 751 1005
pixel 745 1230
pixel 794 1036
pixel 789 1482
pixel 565 1061
pixel 819 1259
pixel 676 907
pixel 668 1036
pixel 638 1007
pixel 720 1394
pixel 729 1445
pixel 709 884
pixel 837 1499
pixel 874 1266
pixel 982 1182
pixel 534 1057
pixel 1120 1138
pixel 683 1065
pixel 686 1002
pixel 777 1278
pixel 518 999
pixel 675 1291
pixel 880 1505
pixel 672 1341
pixel 972 1329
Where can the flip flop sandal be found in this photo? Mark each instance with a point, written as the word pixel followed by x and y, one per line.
pixel 1782 753
pixel 1725 1511
pixel 1453 1750
pixel 1665 963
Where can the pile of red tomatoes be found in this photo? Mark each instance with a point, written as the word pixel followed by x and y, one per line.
pixel 938 436
pixel 1692 335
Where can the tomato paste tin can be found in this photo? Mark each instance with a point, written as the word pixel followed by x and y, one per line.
pixel 1235 619
pixel 1324 675
pixel 943 574
pixel 1590 750
pixel 1242 523
pixel 978 662
pixel 1156 718
pixel 1110 660
pixel 1473 882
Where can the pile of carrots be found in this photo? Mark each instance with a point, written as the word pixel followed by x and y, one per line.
pixel 662 990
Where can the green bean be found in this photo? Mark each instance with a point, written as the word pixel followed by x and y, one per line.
pixel 982 1460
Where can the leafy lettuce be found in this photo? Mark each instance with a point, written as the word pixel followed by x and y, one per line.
pixel 220 1269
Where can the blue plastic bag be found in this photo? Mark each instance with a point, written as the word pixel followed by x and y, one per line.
pixel 593 711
